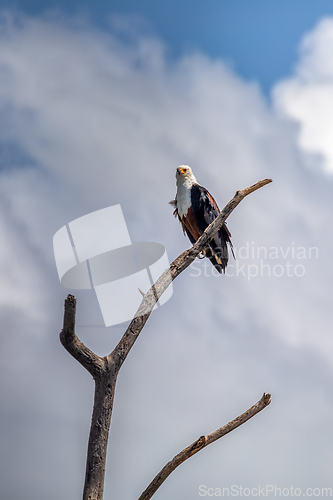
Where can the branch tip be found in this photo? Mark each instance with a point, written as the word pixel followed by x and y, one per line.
pixel 254 187
pixel 266 399
pixel 70 300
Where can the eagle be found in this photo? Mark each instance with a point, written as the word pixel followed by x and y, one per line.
pixel 196 208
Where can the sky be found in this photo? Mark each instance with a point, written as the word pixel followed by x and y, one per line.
pixel 100 102
pixel 259 38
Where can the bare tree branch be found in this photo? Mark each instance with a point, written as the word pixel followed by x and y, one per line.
pixel 201 443
pixel 178 265
pixel 91 361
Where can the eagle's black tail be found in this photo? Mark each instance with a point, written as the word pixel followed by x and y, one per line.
pixel 217 251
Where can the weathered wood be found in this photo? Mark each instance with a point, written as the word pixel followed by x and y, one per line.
pixel 201 443
pixel 91 362
pixel 99 435
pixel 105 370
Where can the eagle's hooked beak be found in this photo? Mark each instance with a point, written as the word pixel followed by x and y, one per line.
pixel 181 171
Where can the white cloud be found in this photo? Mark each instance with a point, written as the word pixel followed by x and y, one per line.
pixel 307 96
pixel 93 123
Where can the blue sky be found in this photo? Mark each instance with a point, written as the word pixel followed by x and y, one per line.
pixel 258 38
pixel 99 103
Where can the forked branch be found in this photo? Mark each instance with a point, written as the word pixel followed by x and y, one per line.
pixel 201 443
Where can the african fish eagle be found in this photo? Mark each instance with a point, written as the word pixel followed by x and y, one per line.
pixel 196 209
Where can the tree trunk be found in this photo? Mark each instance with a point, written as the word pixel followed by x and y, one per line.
pixel 99 433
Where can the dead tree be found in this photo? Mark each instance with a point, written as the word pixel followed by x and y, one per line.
pixel 104 370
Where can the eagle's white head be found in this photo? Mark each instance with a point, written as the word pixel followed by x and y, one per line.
pixel 185 180
pixel 185 177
